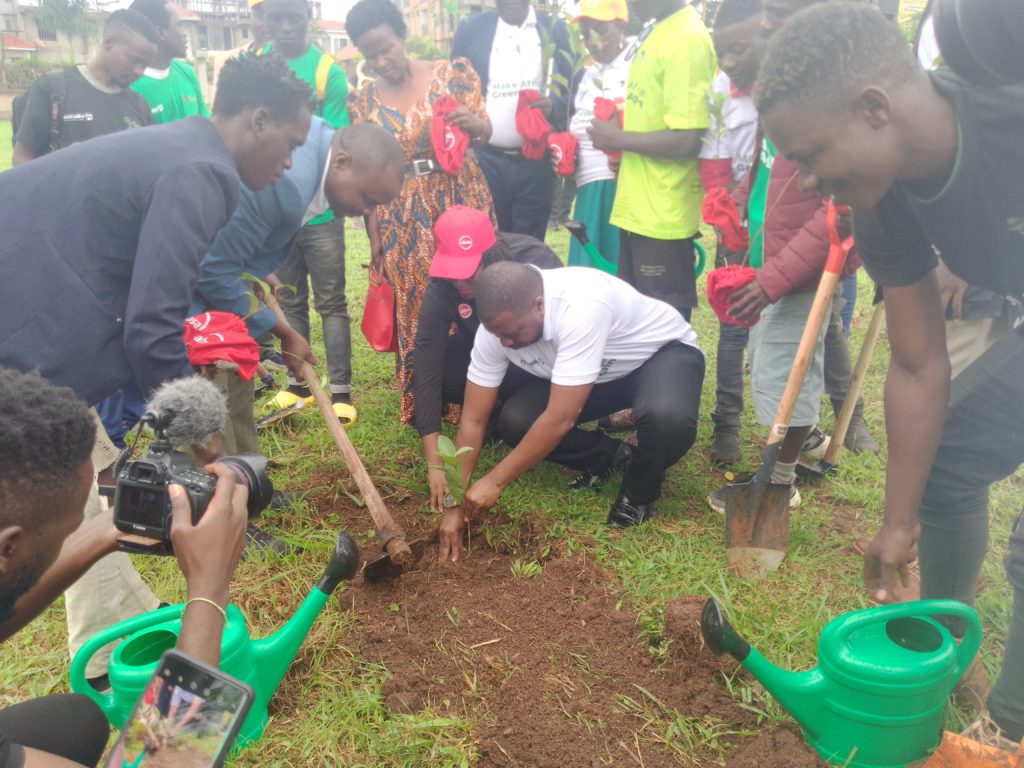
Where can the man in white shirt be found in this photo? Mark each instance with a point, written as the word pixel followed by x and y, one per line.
pixel 507 49
pixel 589 344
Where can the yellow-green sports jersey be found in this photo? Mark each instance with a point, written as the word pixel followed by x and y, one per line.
pixel 172 93
pixel 669 82
pixel 333 107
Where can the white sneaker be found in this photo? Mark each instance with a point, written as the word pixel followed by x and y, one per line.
pixel 816 444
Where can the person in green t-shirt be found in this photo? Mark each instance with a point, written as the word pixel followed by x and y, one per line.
pixel 318 256
pixel 659 194
pixel 170 85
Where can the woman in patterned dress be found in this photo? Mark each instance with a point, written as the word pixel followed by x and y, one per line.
pixel 401 99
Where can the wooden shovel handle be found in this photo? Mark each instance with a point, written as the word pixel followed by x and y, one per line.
pixel 838 250
pixel 395 543
pixel 859 373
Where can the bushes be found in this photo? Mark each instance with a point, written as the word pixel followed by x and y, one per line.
pixel 22 72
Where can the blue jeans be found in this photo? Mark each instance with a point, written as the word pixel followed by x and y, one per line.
pixel 318 256
pixel 120 412
pixel 523 191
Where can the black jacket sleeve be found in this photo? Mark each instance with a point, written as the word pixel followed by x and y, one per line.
pixel 437 313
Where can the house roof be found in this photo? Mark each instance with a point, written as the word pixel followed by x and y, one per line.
pixel 328 25
pixel 186 15
pixel 12 43
pixel 347 53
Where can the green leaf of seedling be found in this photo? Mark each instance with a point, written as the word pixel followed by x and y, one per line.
pixel 463 449
pixel 445 445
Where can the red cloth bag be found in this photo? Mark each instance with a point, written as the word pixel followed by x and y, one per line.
pixel 213 336
pixel 450 141
pixel 606 109
pixel 378 325
pixel 720 211
pixel 532 125
pixel 563 146
pixel 722 283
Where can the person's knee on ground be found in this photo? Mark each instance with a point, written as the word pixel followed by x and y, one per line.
pixel 70 726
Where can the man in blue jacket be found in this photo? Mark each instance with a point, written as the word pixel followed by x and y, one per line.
pixel 509 50
pixel 350 171
pixel 100 256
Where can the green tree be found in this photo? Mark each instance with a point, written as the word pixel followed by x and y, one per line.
pixel 70 17
pixel 423 49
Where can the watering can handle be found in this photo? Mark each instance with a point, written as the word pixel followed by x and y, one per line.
pixel 969 645
pixel 701 256
pixel 79 684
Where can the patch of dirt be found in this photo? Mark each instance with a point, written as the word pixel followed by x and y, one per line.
pixel 551 667
pixel 771 749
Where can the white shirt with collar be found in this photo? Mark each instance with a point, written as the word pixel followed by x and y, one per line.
pixel 597 329
pixel 516 64
pixel 606 80
pixel 319 204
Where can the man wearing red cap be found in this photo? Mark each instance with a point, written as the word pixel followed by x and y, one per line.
pixel 466 243
pixel 586 345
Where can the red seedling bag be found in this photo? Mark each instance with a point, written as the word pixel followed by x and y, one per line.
pixel 563 146
pixel 450 141
pixel 213 336
pixel 606 109
pixel 720 211
pixel 532 125
pixel 722 283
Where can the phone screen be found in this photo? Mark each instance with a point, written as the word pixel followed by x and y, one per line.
pixel 187 718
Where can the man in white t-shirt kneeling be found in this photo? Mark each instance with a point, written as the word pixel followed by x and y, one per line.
pixel 582 344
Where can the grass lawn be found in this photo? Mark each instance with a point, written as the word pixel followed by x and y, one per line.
pixel 331 710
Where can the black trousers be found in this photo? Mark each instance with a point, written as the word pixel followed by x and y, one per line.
pixel 523 191
pixel 664 394
pixel 661 269
pixel 68 725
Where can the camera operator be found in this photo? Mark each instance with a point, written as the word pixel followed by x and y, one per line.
pixel 46 441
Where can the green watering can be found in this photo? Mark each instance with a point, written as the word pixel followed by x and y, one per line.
pixel 883 676
pixel 261 663
pixel 579 230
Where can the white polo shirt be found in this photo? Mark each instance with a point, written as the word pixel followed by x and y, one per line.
pixel 516 64
pixel 597 328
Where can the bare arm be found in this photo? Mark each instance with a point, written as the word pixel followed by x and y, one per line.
pixel 663 145
pixel 22 154
pixel 916 398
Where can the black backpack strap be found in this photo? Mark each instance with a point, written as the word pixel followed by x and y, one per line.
pixel 58 83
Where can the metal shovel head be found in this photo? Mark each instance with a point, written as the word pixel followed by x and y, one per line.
pixel 385 569
pixel 756 528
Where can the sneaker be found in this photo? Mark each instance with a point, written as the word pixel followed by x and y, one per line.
pixel 626 514
pixel 592 482
pixel 815 445
pixel 986 732
pixel 725 447
pixel 717 499
pixel 972 689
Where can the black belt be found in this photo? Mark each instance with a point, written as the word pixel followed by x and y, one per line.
pixel 423 166
pixel 511 154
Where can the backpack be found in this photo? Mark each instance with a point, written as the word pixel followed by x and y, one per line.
pixel 56 83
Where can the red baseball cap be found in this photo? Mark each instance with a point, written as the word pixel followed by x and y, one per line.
pixel 461 235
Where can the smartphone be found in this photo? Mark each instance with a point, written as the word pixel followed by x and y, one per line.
pixel 188 717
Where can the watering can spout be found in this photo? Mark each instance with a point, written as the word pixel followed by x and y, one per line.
pixel 274 654
pixel 801 693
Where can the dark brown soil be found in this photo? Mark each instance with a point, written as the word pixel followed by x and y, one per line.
pixel 771 749
pixel 552 666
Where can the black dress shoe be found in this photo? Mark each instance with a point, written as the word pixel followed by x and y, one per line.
pixel 589 481
pixel 625 514
pixel 257 540
pixel 281 500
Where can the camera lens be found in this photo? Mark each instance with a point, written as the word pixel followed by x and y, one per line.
pixel 251 469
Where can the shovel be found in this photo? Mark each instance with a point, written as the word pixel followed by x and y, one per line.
pixel 830 461
pixel 757 511
pixel 391 534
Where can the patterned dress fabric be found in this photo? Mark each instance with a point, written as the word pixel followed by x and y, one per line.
pixel 407 225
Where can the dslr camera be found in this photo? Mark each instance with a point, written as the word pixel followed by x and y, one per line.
pixel 142 504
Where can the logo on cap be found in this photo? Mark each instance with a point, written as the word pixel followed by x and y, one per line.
pixel 465 242
pixel 449 138
pixel 465 311
pixel 556 152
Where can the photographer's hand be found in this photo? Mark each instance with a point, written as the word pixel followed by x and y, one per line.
pixel 208 553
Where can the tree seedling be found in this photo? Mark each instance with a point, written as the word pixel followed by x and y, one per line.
pixel 451 465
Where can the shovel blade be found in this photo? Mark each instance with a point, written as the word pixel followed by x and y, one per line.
pixel 385 569
pixel 756 528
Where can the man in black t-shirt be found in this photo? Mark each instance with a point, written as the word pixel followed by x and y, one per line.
pixel 95 98
pixel 929 164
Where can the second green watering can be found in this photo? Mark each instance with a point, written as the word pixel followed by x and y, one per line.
pixel 884 674
pixel 261 663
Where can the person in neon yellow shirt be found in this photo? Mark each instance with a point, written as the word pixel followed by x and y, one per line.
pixel 659 195
pixel 170 85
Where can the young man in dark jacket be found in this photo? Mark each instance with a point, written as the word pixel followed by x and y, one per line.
pixel 507 49
pixel 929 164
pixel 466 244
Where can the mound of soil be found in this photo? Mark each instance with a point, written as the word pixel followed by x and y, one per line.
pixel 551 664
